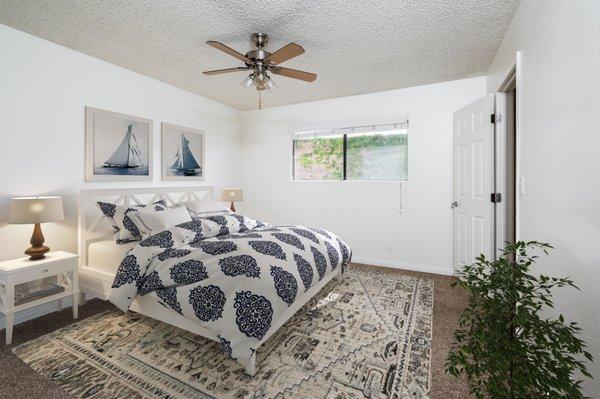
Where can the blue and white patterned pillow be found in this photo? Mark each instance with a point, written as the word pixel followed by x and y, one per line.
pixel 125 228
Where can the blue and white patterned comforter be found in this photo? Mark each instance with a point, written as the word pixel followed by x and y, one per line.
pixel 233 275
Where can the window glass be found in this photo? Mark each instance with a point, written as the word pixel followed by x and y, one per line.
pixel 377 155
pixel 319 158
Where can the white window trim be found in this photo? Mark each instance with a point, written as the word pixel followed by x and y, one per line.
pixel 332 128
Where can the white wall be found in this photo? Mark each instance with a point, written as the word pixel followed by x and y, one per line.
pixel 365 214
pixel 560 148
pixel 44 88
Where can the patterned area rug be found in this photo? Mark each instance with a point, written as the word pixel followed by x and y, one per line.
pixel 367 337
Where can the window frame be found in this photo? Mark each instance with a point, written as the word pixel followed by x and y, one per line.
pixel 343 132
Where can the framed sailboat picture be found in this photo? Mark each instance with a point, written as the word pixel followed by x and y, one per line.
pixel 182 153
pixel 117 146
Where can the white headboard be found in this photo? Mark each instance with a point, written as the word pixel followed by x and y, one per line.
pixel 94 226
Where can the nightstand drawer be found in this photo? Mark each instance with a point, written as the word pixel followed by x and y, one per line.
pixel 44 270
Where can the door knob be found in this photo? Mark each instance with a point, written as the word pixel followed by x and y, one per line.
pixel 454 204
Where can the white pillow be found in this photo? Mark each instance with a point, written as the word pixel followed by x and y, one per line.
pixel 205 206
pixel 121 218
pixel 148 220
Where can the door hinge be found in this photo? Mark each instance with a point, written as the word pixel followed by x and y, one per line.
pixel 495 118
pixel 496 198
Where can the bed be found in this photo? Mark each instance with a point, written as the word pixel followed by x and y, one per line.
pixel 252 299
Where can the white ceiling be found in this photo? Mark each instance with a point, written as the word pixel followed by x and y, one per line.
pixel 354 46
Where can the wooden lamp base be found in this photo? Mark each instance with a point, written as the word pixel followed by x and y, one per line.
pixel 37 249
pixel 232 207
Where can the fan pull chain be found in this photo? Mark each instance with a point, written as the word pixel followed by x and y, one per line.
pixel 259 100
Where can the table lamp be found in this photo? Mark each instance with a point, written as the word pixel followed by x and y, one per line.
pixel 232 194
pixel 36 210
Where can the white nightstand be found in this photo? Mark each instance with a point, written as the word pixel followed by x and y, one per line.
pixel 22 270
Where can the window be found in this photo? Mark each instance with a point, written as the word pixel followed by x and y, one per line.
pixel 359 153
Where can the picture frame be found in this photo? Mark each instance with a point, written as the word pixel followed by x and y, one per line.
pixel 118 147
pixel 182 153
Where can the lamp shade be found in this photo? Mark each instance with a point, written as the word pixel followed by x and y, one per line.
pixel 232 194
pixel 26 210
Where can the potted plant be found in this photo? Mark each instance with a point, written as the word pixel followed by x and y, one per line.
pixel 506 345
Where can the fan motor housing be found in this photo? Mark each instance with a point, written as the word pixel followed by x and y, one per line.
pixel 260 40
pixel 257 55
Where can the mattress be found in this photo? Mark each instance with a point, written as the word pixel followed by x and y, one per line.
pixel 107 255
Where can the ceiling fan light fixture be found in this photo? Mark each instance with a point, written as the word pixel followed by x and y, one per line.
pixel 261 62
pixel 253 82
pixel 262 81
pixel 248 83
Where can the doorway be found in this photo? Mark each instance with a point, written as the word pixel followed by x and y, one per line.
pixel 487 185
pixel 507 180
pixel 510 166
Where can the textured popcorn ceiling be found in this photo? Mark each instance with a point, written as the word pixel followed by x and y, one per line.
pixel 354 46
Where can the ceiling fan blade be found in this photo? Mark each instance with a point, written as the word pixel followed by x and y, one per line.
pixel 227 70
pixel 285 53
pixel 230 51
pixel 294 74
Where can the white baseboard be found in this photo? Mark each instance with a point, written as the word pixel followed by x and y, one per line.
pixel 445 271
pixel 37 311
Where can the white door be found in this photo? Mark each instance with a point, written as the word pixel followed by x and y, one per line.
pixel 473 182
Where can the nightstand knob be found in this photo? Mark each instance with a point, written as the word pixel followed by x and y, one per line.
pixel 46 270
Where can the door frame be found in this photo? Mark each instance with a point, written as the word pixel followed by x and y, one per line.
pixel 512 79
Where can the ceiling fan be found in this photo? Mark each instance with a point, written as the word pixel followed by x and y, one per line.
pixel 260 62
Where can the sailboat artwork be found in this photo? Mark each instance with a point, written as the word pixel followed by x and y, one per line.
pixel 184 160
pixel 118 146
pixel 127 155
pixel 182 153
